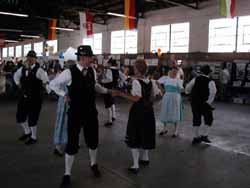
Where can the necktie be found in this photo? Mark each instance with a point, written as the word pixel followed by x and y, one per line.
pixel 84 71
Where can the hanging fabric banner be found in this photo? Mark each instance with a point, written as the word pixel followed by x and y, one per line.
pixel 51 29
pixel 2 40
pixel 86 24
pixel 227 8
pixel 130 12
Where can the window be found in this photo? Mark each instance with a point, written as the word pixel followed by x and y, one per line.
pixel 222 35
pixel 160 38
pixel 26 49
pixel 180 37
pixel 244 34
pixel 52 47
pixel 131 41
pixel 11 52
pixel 38 48
pixel 95 42
pixel 18 51
pixel 123 42
pixel 5 52
pixel 117 42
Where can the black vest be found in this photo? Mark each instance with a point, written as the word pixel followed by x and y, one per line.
pixel 200 91
pixel 31 86
pixel 82 91
pixel 116 76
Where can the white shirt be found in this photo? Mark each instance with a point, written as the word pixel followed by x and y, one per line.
pixel 40 74
pixel 65 78
pixel 224 76
pixel 107 76
pixel 211 86
pixel 136 88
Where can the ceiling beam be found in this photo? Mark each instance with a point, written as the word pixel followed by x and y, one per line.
pixel 196 6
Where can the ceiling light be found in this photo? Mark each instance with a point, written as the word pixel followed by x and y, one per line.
pixel 11 41
pixel 120 15
pixel 62 28
pixel 31 36
pixel 12 30
pixel 14 14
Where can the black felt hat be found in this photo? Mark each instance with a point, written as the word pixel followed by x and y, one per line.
pixel 32 53
pixel 84 50
pixel 206 70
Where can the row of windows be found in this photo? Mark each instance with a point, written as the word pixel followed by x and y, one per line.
pixel 225 35
pixel 38 47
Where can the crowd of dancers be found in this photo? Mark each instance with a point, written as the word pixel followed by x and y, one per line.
pixel 76 87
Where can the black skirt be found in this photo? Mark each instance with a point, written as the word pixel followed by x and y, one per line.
pixel 141 127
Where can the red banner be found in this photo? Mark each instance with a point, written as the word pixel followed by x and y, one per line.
pixel 86 24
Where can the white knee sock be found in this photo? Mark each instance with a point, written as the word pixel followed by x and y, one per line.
pixel 25 127
pixel 33 132
pixel 145 156
pixel 109 115
pixel 136 155
pixel 92 156
pixel 176 128
pixel 206 130
pixel 196 131
pixel 69 160
pixel 113 111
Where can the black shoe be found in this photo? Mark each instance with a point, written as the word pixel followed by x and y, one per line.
pixel 113 119
pixel 196 141
pixel 96 171
pixel 174 135
pixel 144 163
pixel 58 153
pixel 133 170
pixel 24 137
pixel 205 139
pixel 163 133
pixel 108 124
pixel 31 141
pixel 66 182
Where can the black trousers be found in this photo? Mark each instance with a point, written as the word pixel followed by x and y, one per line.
pixel 202 110
pixel 89 123
pixel 28 109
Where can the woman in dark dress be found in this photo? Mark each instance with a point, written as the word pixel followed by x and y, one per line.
pixel 141 122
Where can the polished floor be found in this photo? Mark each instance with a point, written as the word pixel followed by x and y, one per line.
pixel 175 162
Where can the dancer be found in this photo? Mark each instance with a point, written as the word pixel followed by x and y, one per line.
pixel 141 122
pixel 31 79
pixel 171 107
pixel 82 86
pixel 107 82
pixel 203 91
pixel 60 133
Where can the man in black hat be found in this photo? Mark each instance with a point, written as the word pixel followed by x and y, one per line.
pixel 82 86
pixel 31 79
pixel 203 91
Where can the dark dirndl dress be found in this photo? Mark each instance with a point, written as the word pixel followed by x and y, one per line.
pixel 108 99
pixel 141 121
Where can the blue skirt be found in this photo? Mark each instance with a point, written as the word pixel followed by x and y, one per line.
pixel 171 108
pixel 60 134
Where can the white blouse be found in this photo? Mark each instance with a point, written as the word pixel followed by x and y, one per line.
pixel 136 88
pixel 165 80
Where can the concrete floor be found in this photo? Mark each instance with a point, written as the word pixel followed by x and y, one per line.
pixel 175 162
